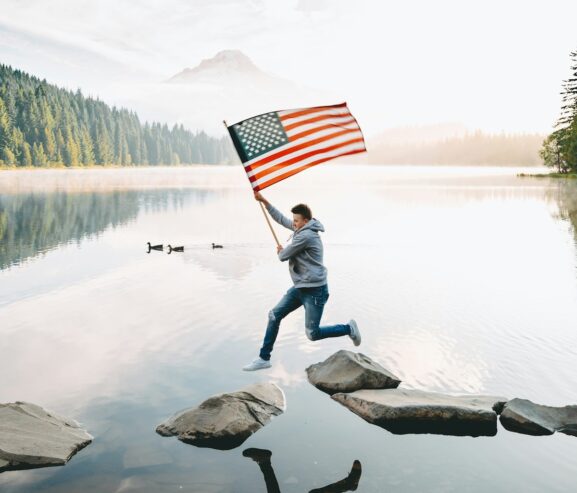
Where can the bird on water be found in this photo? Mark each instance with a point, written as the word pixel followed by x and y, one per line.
pixel 175 249
pixel 154 247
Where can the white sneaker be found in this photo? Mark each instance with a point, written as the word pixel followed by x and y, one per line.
pixel 355 334
pixel 257 364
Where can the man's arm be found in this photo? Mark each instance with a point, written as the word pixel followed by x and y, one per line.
pixel 274 212
pixel 298 244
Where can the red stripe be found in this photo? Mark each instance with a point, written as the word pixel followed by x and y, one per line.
pixel 294 137
pixel 314 119
pixel 266 184
pixel 298 147
pixel 294 160
pixel 308 111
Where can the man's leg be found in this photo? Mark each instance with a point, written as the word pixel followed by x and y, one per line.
pixel 314 300
pixel 289 303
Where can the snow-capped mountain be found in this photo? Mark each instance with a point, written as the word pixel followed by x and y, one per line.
pixel 227 86
pixel 227 63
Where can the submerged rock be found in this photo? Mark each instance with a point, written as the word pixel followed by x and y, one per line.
pixel 404 411
pixel 524 416
pixel 346 371
pixel 32 437
pixel 225 421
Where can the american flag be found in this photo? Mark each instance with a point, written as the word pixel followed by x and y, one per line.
pixel 276 145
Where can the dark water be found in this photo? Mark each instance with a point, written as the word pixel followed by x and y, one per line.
pixel 462 280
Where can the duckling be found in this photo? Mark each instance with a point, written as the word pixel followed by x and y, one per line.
pixel 154 247
pixel 214 245
pixel 175 249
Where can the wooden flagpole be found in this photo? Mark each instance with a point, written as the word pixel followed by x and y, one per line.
pixel 261 206
pixel 269 224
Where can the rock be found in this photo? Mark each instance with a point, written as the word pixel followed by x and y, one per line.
pixel 225 421
pixel 346 371
pixel 31 437
pixel 403 411
pixel 524 416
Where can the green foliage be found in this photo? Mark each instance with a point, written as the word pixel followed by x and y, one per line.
pixel 43 125
pixel 560 148
pixel 39 157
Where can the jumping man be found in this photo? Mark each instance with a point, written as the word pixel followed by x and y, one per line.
pixel 309 276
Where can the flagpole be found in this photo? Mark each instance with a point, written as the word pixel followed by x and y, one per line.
pixel 261 206
pixel 268 222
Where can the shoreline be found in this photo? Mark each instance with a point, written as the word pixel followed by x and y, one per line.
pixel 4 167
pixel 570 176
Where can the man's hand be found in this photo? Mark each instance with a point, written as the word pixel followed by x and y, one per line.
pixel 258 196
pixel 279 248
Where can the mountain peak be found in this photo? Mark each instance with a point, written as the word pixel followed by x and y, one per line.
pixel 224 63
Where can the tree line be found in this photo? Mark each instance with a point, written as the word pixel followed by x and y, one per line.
pixel 44 125
pixel 472 149
pixel 559 149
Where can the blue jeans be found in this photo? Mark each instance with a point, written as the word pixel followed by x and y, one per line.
pixel 313 299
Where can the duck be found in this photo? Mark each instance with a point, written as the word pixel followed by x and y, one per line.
pixel 175 249
pixel 154 247
pixel 214 245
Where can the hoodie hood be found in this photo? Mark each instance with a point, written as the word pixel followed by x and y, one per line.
pixel 314 225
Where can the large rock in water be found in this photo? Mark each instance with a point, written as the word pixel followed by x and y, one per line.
pixel 346 371
pixel 524 416
pixel 31 437
pixel 225 421
pixel 404 411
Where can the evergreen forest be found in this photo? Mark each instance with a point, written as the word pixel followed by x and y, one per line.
pixel 43 125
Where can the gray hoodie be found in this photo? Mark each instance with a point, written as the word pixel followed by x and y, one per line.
pixel 304 253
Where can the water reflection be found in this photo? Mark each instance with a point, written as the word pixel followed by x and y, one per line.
pixel 461 285
pixel 449 428
pixel 565 195
pixel 34 223
pixel 234 262
pixel 262 458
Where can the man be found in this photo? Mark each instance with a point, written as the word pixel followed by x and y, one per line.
pixel 309 276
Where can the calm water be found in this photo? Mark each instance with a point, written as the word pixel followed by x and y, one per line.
pixel 462 280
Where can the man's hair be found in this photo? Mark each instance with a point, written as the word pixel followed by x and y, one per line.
pixel 304 210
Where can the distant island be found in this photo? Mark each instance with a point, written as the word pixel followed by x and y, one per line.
pixel 43 125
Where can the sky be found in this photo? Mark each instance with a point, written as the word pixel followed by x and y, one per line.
pixel 491 65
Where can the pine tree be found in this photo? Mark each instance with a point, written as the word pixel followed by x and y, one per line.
pixel 49 143
pixel 104 148
pixel 86 148
pixel 560 148
pixel 8 157
pixel 26 154
pixel 5 127
pixel 72 149
pixel 38 155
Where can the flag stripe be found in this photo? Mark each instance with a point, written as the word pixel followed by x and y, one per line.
pixel 336 112
pixel 296 147
pixel 288 162
pixel 288 114
pixel 314 119
pixel 311 129
pixel 321 145
pixel 262 184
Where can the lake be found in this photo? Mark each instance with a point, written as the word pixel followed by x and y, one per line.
pixel 462 280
